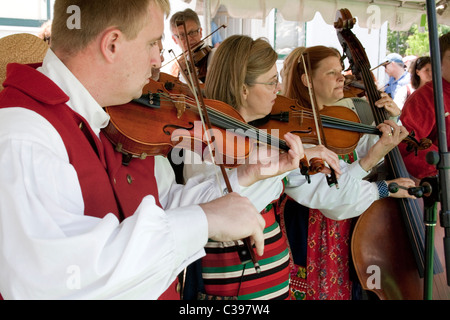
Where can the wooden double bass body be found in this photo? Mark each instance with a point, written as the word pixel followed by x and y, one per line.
pixel 388 239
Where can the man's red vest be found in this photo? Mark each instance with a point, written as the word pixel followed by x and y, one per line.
pixel 107 185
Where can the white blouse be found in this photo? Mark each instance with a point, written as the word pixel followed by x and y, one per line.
pixel 353 197
pixel 51 250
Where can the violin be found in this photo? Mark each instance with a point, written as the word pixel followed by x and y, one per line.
pixel 168 120
pixel 173 85
pixel 342 126
pixel 174 122
pixel 200 64
pixel 197 62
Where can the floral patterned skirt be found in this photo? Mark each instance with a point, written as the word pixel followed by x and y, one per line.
pixel 326 275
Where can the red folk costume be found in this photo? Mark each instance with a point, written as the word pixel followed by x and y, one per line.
pixel 326 275
pixel 418 114
pixel 106 184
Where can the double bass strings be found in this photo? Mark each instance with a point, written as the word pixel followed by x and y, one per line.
pixel 412 211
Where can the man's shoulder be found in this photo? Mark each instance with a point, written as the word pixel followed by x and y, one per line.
pixel 405 78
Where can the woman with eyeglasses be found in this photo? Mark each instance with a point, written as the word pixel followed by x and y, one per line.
pixel 243 74
pixel 420 70
pixel 322 254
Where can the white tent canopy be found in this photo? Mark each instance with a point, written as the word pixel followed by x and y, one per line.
pixel 369 13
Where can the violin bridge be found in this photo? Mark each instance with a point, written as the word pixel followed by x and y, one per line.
pixel 180 105
pixel 300 119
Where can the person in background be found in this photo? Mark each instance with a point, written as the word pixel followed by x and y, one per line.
pixel 321 251
pixel 216 38
pixel 195 34
pixel 420 71
pixel 419 114
pixel 290 59
pixel 243 74
pixel 407 60
pixel 46 31
pixel 398 76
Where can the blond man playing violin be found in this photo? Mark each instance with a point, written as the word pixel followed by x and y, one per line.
pixel 75 222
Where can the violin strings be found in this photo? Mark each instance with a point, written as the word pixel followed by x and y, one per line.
pixel 356 126
pixel 227 122
pixel 345 124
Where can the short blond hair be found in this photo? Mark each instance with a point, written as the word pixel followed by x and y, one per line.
pixel 238 61
pixel 128 16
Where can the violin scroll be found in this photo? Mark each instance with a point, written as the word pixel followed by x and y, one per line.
pixel 315 165
pixel 414 145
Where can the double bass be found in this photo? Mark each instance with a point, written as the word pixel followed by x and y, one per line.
pixel 388 239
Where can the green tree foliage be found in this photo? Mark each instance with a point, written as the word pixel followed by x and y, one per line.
pixel 397 41
pixel 413 41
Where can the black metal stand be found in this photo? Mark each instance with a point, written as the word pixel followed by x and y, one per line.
pixel 430 200
pixel 443 165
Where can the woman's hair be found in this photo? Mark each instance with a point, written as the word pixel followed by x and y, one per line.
pixel 94 17
pixel 417 64
pixel 238 61
pixel 287 66
pixel 294 88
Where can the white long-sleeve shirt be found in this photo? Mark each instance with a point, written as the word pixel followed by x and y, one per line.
pixel 50 250
pixel 353 197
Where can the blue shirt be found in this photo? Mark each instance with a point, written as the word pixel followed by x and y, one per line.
pixel 216 38
pixel 393 85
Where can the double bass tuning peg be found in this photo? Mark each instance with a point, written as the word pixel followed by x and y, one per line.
pixel 344 20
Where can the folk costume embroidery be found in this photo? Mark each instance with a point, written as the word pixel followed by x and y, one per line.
pixel 326 273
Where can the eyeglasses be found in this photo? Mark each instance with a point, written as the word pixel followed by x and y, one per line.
pixel 191 34
pixel 273 84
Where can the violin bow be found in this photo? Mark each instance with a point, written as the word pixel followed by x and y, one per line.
pixel 331 179
pixel 246 252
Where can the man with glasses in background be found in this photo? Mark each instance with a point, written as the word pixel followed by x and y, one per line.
pixel 202 51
